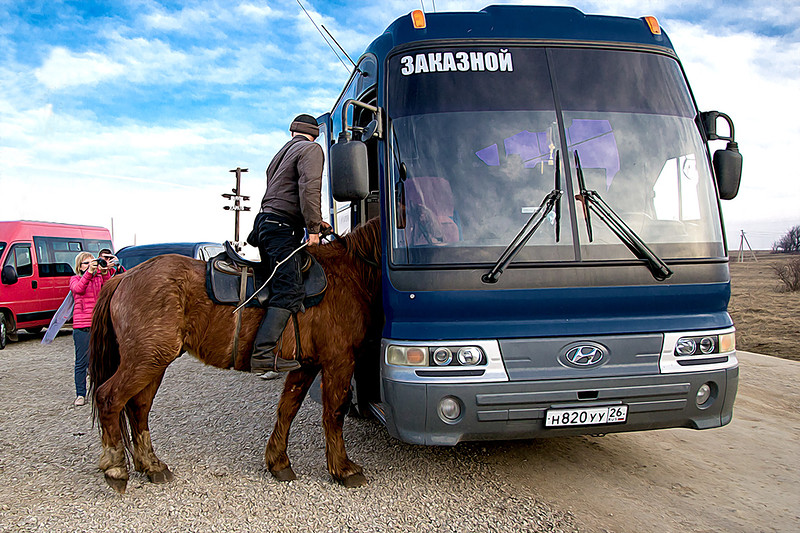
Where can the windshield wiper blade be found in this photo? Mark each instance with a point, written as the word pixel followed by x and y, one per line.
pixel 592 201
pixel 550 201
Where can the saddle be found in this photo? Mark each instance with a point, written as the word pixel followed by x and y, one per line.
pixel 231 279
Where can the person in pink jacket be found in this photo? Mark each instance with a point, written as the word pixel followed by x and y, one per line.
pixel 85 287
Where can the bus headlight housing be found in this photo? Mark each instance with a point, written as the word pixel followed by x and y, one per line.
pixel 436 356
pixel 705 345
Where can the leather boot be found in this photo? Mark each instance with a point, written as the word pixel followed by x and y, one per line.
pixel 269 333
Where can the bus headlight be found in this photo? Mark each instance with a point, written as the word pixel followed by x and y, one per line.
pixel 407 355
pixel 442 356
pixel 685 346
pixel 705 344
pixel 470 355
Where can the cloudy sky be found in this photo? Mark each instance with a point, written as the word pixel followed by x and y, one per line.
pixel 135 110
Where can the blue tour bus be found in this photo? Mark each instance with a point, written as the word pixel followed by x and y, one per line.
pixel 554 260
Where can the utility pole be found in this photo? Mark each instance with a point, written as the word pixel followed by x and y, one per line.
pixel 742 242
pixel 237 206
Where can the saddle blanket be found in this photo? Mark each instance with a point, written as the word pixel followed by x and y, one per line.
pixel 224 279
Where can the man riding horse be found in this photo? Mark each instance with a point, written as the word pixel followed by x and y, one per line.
pixel 291 203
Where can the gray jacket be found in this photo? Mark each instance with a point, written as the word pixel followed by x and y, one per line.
pixel 294 183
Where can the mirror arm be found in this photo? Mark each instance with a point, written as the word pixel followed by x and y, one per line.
pixel 377 111
pixel 709 119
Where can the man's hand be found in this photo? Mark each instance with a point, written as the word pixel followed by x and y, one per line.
pixel 314 238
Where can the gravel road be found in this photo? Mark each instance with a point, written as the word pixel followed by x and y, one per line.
pixel 210 426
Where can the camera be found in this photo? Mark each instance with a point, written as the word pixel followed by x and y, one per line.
pixel 101 262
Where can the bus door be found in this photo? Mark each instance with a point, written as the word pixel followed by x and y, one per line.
pixel 55 258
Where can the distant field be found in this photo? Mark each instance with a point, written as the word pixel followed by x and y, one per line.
pixel 767 321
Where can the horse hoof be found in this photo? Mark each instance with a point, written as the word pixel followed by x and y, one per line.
pixel 164 476
pixel 119 485
pixel 354 480
pixel 287 474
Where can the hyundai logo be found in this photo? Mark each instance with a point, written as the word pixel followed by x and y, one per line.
pixel 585 355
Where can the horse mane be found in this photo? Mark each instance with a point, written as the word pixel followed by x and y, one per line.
pixel 365 241
pixel 362 244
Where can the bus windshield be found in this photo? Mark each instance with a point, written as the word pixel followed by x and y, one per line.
pixel 477 140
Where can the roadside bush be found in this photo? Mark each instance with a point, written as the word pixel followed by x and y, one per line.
pixel 789 274
pixel 789 243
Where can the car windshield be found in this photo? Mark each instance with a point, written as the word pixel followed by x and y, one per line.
pixel 471 166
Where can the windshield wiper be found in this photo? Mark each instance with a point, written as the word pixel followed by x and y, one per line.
pixel 550 201
pixel 593 202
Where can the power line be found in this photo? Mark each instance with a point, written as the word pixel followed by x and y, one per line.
pixel 323 37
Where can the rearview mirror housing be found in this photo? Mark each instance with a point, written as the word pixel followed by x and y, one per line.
pixel 9 275
pixel 727 162
pixel 728 171
pixel 349 170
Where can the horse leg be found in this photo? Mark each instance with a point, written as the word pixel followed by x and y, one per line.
pixel 335 398
pixel 294 391
pixel 144 457
pixel 110 400
pixel 113 461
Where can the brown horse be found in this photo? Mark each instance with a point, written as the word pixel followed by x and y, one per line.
pixel 147 317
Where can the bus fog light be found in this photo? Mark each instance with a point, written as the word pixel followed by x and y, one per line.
pixel 449 409
pixel 706 395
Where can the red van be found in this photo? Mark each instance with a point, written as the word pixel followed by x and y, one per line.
pixel 37 261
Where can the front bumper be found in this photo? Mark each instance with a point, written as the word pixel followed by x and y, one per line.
pixel 516 410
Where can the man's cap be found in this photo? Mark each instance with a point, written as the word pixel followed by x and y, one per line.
pixel 305 124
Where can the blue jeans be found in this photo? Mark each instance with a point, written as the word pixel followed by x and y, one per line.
pixel 81 339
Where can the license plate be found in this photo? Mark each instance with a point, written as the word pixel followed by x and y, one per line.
pixel 587 416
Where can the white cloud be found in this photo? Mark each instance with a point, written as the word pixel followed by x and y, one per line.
pixel 65 69
pixel 761 100
pixel 254 11
pixel 187 19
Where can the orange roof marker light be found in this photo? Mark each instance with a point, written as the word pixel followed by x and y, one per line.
pixel 418 18
pixel 652 23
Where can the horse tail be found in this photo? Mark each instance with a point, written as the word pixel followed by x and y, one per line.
pixel 103 347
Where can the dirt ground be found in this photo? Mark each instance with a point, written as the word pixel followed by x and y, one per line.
pixel 743 477
pixel 767 321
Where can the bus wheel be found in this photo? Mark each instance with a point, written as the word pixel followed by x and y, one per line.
pixel 3 331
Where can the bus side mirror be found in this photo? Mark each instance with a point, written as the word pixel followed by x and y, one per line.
pixel 349 170
pixel 728 170
pixel 727 162
pixel 9 276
